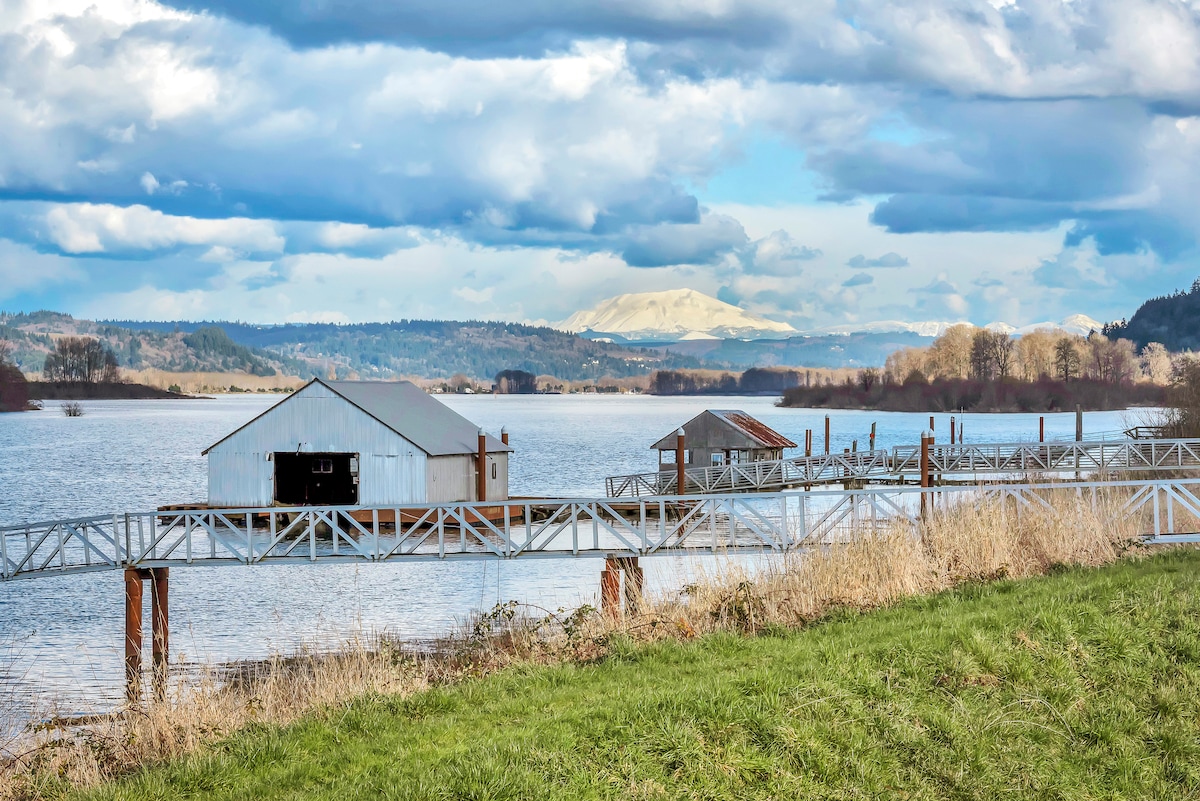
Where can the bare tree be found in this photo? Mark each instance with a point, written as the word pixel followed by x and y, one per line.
pixel 1156 363
pixel 81 360
pixel 1066 358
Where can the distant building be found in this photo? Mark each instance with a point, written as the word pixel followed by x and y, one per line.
pixel 355 443
pixel 717 437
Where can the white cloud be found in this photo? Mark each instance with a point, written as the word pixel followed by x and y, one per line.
pixel 80 228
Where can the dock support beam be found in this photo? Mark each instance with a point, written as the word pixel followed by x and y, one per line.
pixel 160 626
pixel 133 635
pixel 610 585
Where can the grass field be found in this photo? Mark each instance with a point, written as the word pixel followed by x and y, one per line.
pixel 1079 685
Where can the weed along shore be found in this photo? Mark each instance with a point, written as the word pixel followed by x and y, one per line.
pixel 1083 684
pixel 1034 655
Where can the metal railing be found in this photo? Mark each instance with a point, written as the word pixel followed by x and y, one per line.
pixel 903 463
pixel 717 523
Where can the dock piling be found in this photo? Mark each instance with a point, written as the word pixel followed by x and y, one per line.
pixel 133 634
pixel 481 469
pixel 826 435
pixel 160 628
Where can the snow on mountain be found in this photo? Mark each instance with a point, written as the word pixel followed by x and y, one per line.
pixel 674 314
pixel 927 328
pixel 1079 324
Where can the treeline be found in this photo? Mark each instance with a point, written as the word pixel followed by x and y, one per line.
pixel 980 370
pixel 970 394
pixel 967 352
pixel 81 360
pixel 755 381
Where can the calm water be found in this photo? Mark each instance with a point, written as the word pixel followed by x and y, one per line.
pixel 60 638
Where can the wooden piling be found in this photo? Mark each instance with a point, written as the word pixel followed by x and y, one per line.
pixel 160 628
pixel 951 429
pixel 504 435
pixel 133 635
pixel 826 435
pixel 1041 429
pixel 931 428
pixel 924 468
pixel 872 436
pixel 610 588
pixel 808 438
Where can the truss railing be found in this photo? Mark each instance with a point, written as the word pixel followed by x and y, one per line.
pixel 716 523
pixel 903 463
pixel 755 476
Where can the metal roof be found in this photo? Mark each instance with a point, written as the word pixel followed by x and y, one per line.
pixel 409 411
pixel 756 430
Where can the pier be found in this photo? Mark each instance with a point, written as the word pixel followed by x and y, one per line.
pixel 902 464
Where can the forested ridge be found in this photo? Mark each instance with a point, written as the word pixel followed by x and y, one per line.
pixel 424 348
pixel 1173 320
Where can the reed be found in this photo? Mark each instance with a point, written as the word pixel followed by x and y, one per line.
pixel 966 542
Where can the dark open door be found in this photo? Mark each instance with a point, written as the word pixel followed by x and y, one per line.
pixel 316 479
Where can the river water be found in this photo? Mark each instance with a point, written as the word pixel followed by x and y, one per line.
pixel 61 638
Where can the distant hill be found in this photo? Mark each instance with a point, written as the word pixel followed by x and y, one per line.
pixel 201 349
pixel 1173 320
pixel 435 349
pixel 835 350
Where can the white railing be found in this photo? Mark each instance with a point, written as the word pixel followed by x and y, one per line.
pixel 903 463
pixel 735 522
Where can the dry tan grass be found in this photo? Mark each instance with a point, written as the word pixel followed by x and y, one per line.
pixel 211 382
pixel 965 542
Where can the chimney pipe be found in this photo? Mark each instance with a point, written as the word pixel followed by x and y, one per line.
pixel 680 487
pixel 481 472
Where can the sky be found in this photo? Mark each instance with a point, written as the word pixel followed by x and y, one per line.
pixel 822 163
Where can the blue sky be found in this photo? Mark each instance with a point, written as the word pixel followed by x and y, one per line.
pixel 823 163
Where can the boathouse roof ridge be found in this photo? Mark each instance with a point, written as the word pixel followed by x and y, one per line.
pixel 407 410
pixel 754 429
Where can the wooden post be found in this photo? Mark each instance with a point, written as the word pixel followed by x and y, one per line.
pixel 504 435
pixel 854 446
pixel 952 429
pixel 931 428
pixel 1078 436
pixel 133 634
pixel 680 464
pixel 872 436
pixel 610 587
pixel 924 468
pixel 481 472
pixel 826 435
pixel 160 628
pixel 961 424
pixel 1041 429
pixel 808 443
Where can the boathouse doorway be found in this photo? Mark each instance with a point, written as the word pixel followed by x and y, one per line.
pixel 316 479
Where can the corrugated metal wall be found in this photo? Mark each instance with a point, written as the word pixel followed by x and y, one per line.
pixel 452 478
pixel 391 469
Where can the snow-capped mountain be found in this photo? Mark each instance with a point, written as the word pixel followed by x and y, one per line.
pixel 675 314
pixel 1075 324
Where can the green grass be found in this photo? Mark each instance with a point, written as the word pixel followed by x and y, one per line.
pixel 1081 685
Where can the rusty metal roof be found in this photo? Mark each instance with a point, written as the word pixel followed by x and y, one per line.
pixel 756 430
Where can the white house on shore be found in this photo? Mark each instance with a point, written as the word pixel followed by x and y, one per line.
pixel 355 443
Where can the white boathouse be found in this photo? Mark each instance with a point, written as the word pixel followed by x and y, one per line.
pixel 356 443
